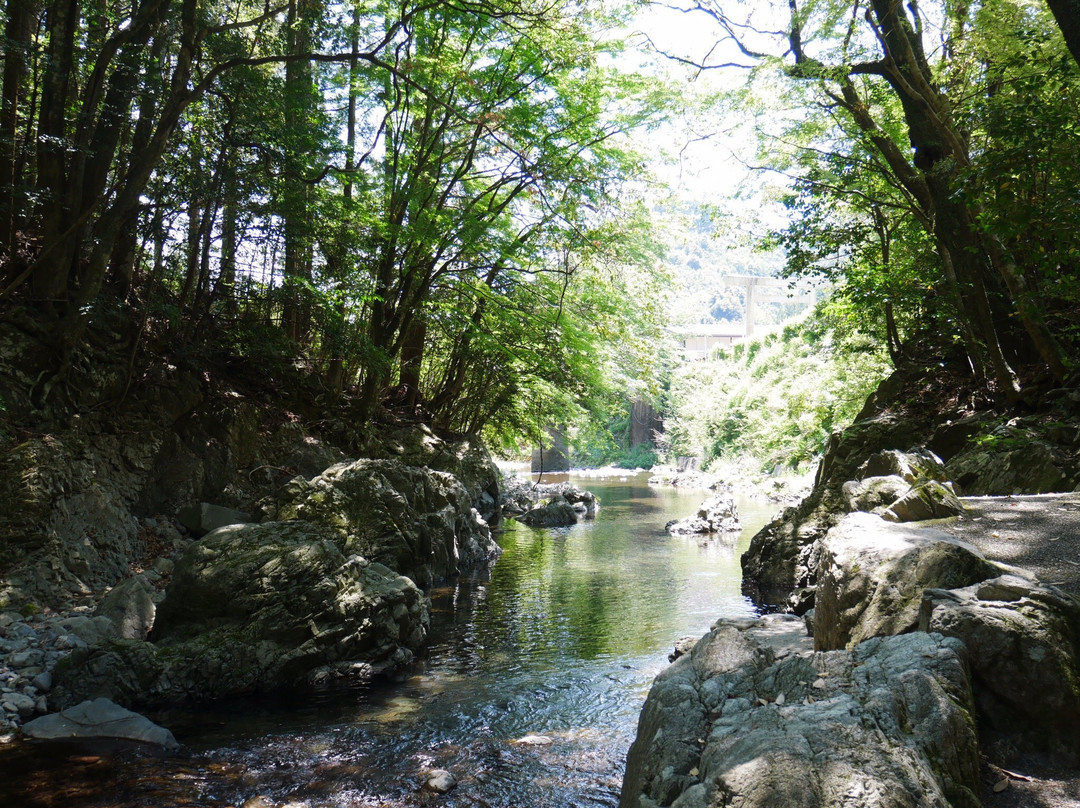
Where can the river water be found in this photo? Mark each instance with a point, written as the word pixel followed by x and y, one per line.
pixel 561 639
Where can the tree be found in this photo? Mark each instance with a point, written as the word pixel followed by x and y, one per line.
pixel 875 70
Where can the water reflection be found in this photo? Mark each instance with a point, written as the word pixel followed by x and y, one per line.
pixel 561 639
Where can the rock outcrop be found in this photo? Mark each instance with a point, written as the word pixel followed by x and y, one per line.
pixel 1023 639
pixel 418 522
pixel 879 579
pixel 548 505
pixel 256 608
pixel 715 515
pixel 871 576
pixel 752 717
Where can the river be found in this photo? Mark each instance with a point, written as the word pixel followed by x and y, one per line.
pixel 561 639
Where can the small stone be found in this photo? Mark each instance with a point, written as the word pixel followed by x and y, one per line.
pixel 1001 785
pixel 819 684
pixel 440 781
pixel 780 699
pixel 259 802
pixel 42 682
pixel 25 659
pixel 41 705
pixel 694 772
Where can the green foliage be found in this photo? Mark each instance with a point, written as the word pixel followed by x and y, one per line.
pixel 771 405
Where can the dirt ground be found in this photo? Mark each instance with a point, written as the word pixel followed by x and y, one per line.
pixel 1040 534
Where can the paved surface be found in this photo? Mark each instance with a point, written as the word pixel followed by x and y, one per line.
pixel 1040 534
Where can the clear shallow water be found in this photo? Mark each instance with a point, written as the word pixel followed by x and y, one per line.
pixel 562 639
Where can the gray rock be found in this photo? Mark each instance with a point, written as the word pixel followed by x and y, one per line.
pixel 418 522
pixel 554 513
pixel 715 515
pixel 42 682
pixel 751 718
pixel 255 608
pixel 440 781
pixel 465 459
pixel 778 565
pixel 82 630
pixel 874 494
pixel 27 658
pixel 871 575
pixel 99 718
pixel 914 465
pixel 1023 639
pixel 129 606
pixel 19 703
pixel 164 566
pixel 683 646
pixel 929 499
pixel 1017 464
pixel 205 517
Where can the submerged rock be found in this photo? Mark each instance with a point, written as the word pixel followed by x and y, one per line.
pixel 440 781
pixel 753 718
pixel 99 718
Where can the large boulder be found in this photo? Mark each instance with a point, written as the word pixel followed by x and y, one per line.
pixel 1023 639
pixel 256 608
pixel 753 718
pixel 871 575
pixel 130 608
pixel 928 499
pixel 715 515
pixel 416 521
pixel 467 459
pixel 1012 466
pixel 99 719
pixel 778 565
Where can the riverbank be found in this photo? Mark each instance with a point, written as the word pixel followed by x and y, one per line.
pixel 867 560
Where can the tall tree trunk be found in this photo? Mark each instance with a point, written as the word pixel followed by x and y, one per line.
pixel 50 278
pixel 299 105
pixel 18 31
pixel 412 358
pixel 1067 14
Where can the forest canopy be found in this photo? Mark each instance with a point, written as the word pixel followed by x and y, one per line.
pixel 929 149
pixel 428 201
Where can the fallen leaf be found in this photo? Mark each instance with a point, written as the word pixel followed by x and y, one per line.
pixel 694 772
pixel 1001 785
pixel 780 699
pixel 819 684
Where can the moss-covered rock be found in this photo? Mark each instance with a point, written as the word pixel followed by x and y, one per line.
pixel 256 608
pixel 416 521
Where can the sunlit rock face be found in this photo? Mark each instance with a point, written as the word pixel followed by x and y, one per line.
pixel 418 522
pixel 754 718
